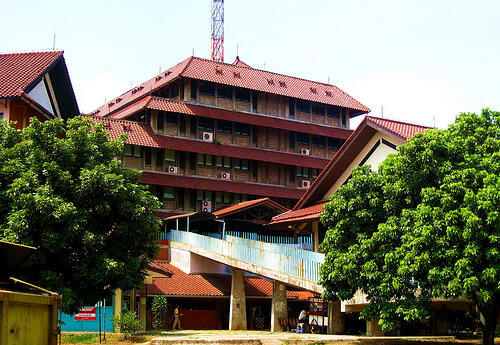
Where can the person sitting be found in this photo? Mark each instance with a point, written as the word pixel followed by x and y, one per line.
pixel 302 320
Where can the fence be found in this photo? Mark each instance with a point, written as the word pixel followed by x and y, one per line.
pixel 297 262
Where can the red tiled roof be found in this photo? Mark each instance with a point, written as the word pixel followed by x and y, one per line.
pixel 205 285
pixel 198 182
pixel 142 134
pixel 161 268
pixel 20 70
pixel 163 104
pixel 355 143
pixel 307 213
pixel 249 204
pixel 240 63
pixel 404 130
pixel 239 76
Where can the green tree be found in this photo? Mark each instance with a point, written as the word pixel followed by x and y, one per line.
pixel 63 191
pixel 425 225
pixel 159 308
pixel 127 323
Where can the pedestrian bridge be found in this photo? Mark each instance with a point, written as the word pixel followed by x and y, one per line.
pixel 280 262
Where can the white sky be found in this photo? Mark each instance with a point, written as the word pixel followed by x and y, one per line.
pixel 421 60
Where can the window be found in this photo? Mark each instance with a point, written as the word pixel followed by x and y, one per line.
pixel 170 156
pixel 147 155
pixel 171 119
pixel 180 198
pixel 242 95
pixel 254 135
pixel 227 198
pixel 255 169
pixel 218 197
pixel 318 109
pixel 133 151
pixel 182 159
pixel 182 121
pixel 332 111
pixel 1 116
pixel 242 129
pixel 315 173
pixel 254 101
pixel 160 120
pixel 303 138
pixel 204 195
pixel 192 161
pixel 224 91
pixel 303 172
pixel 291 107
pixel 159 193
pixel 335 143
pixel 292 140
pixel 225 127
pixel 174 90
pixel 168 193
pixel 241 164
pixel 159 158
pixel 319 141
pixel 207 88
pixel 206 124
pixel 223 162
pixel 193 125
pixel 236 198
pixel 194 86
pixel 204 159
pixel 303 106
pixel 344 117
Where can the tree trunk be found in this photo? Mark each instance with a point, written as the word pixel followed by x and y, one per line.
pixel 488 320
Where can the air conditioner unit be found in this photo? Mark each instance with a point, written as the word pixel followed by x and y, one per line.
pixel 208 136
pixel 206 206
pixel 225 176
pixel 172 170
pixel 306 183
pixel 305 152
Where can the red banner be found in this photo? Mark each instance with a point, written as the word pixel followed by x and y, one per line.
pixel 86 314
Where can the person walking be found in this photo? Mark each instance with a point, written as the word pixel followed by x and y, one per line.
pixel 177 319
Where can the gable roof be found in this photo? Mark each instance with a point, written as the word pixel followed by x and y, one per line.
pixel 308 208
pixel 238 75
pixel 19 71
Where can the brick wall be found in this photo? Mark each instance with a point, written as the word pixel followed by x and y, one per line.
pixel 318 118
pixel 242 106
pixel 272 104
pixel 224 138
pixel 273 139
pixel 273 175
pixel 241 175
pixel 133 162
pixel 208 171
pixel 242 140
pixel 225 103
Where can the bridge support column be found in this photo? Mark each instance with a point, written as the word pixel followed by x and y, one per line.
pixel 279 308
pixel 238 308
pixel 335 318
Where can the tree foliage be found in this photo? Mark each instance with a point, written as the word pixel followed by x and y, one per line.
pixel 63 191
pixel 425 225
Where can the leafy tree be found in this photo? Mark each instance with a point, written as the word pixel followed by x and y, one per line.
pixel 159 308
pixel 425 225
pixel 63 191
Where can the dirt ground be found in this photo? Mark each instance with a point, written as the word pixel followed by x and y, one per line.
pixel 275 338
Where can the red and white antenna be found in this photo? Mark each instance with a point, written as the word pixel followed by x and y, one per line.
pixel 218 30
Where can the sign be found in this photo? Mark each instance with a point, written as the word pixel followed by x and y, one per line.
pixel 86 314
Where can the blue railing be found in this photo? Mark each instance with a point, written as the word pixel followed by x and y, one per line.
pixel 296 262
pixel 301 242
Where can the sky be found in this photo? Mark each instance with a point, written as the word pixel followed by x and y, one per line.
pixel 417 61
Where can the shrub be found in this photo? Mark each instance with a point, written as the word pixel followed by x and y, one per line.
pixel 127 323
pixel 159 307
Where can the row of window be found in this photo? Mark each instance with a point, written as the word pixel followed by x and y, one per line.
pixel 318 141
pixel 164 193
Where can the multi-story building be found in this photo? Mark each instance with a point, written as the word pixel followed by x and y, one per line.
pixel 35 84
pixel 209 134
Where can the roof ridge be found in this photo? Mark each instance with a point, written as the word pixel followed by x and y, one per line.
pixel 31 52
pixel 368 117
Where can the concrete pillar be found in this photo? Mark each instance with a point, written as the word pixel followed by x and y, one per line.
pixel 315 233
pixel 237 308
pixel 142 312
pixel 132 300
pixel 335 318
pixel 373 328
pixel 117 306
pixel 279 308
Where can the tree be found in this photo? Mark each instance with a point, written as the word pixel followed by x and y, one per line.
pixel 127 323
pixel 159 308
pixel 63 191
pixel 425 225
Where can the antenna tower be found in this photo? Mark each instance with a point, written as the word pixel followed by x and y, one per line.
pixel 218 30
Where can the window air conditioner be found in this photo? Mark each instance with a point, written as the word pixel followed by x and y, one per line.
pixel 172 170
pixel 206 206
pixel 208 136
pixel 306 183
pixel 225 176
pixel 305 152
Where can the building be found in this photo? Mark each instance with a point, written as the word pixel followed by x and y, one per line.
pixel 208 135
pixel 35 84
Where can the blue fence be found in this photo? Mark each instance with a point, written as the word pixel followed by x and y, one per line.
pixel 303 242
pixel 70 325
pixel 297 262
